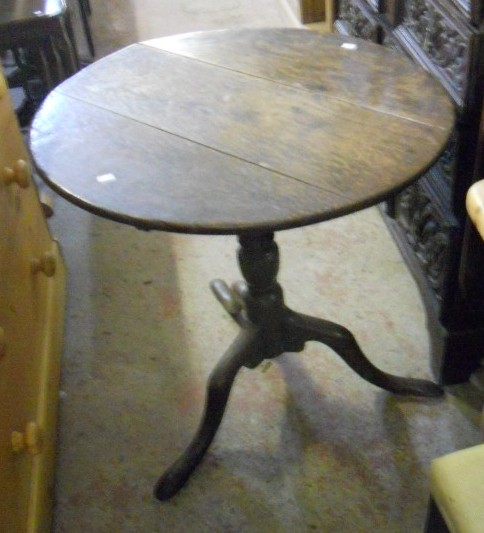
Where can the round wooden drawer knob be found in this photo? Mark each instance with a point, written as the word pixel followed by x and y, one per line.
pixel 46 264
pixel 29 441
pixel 19 174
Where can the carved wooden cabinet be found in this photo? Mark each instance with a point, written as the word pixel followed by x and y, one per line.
pixel 427 220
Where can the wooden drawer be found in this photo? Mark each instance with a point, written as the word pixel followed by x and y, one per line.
pixel 31 311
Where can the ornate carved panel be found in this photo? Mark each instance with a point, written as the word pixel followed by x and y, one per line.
pixel 355 18
pixel 445 166
pixel 444 41
pixel 428 232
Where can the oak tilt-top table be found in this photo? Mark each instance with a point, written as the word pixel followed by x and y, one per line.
pixel 244 132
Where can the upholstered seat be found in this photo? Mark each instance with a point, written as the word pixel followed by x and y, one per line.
pixel 457 488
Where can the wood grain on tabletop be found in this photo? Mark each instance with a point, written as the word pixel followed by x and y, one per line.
pixel 240 130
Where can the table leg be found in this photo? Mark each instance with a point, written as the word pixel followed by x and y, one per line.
pixel 268 329
pixel 218 390
pixel 344 344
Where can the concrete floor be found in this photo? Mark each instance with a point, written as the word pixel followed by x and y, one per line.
pixel 305 445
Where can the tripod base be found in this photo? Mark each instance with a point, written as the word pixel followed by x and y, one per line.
pixel 268 329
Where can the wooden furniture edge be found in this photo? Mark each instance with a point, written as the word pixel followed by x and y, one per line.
pixel 42 484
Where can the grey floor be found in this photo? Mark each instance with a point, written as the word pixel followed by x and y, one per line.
pixel 306 445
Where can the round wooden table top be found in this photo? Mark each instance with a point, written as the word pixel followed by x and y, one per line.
pixel 239 131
